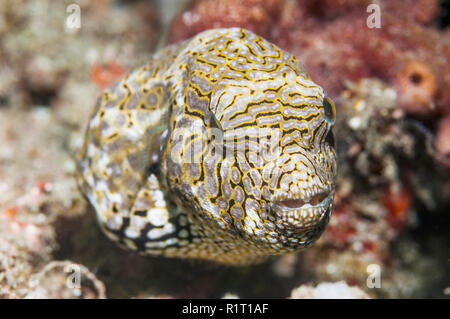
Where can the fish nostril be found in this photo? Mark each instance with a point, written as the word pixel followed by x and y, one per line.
pixel 316 199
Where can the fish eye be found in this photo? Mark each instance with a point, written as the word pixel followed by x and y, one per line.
pixel 330 112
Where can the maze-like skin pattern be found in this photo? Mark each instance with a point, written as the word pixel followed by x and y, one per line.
pixel 219 148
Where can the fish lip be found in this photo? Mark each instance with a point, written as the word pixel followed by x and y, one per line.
pixel 290 202
pixel 324 204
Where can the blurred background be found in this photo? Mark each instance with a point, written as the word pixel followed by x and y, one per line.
pixel 385 66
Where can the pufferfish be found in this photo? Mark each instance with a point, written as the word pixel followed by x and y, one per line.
pixel 219 148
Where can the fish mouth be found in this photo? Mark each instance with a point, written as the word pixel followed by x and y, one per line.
pixel 298 212
pixel 292 203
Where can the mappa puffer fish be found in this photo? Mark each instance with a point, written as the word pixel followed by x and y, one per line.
pixel 219 148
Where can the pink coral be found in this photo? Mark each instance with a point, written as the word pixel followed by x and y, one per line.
pixel 332 40
pixel 256 15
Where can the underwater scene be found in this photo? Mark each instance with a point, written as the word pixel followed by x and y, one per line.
pixel 165 149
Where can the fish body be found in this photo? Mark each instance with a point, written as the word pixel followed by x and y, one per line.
pixel 219 148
